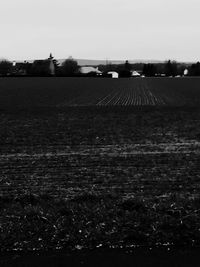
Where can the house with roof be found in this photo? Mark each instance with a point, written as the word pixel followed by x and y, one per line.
pixel 113 74
pixel 40 67
pixel 21 68
pixel 135 73
pixel 185 72
pixel 90 71
pixel 51 64
pixel 44 67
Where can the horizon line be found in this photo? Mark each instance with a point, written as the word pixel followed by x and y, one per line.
pixel 106 60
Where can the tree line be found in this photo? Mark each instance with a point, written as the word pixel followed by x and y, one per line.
pixel 40 68
pixel 168 69
pixel 70 67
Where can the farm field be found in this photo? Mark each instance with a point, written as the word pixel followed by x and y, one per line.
pixel 99 164
pixel 99 178
pixel 60 92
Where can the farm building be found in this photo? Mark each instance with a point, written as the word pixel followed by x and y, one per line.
pixel 51 65
pixel 134 73
pixel 44 67
pixel 36 67
pixel 21 68
pixel 86 70
pixel 113 74
pixel 185 73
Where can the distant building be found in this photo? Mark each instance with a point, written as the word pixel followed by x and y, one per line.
pixel 51 65
pixel 41 67
pixel 186 72
pixel 134 73
pixel 44 67
pixel 86 70
pixel 21 68
pixel 113 74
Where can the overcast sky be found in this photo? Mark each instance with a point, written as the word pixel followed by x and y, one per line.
pixel 100 29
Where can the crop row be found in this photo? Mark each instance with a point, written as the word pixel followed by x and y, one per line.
pixel 139 95
pixel 66 92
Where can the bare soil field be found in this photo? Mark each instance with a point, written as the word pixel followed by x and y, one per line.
pixel 137 171
pixel 105 258
pixel 99 177
pixel 60 92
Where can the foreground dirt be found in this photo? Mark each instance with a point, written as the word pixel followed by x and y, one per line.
pixel 105 258
pixel 79 179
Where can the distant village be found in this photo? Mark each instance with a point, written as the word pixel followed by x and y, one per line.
pixel 70 68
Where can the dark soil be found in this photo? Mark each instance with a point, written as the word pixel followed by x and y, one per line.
pixel 50 92
pixel 88 178
pixel 106 258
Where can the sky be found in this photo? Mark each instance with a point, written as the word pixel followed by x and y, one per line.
pixel 100 29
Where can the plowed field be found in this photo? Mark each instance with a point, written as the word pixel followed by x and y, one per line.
pixel 65 92
pixel 84 178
